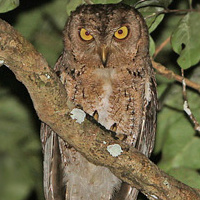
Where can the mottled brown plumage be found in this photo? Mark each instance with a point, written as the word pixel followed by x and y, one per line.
pixel 111 79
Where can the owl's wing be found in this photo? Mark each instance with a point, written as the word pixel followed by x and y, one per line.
pixel 53 183
pixel 146 138
pixel 53 165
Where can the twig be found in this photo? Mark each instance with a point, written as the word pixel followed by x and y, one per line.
pixel 159 48
pixel 171 75
pixel 167 11
pixel 186 106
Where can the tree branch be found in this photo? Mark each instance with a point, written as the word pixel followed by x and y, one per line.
pixel 52 106
pixel 159 48
pixel 171 75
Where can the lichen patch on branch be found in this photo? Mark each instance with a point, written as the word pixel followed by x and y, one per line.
pixel 114 150
pixel 78 114
pixel 1 62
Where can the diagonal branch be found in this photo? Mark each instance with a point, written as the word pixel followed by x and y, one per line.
pixel 50 101
pixel 171 75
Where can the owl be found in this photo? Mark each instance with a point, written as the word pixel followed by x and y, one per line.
pixel 106 70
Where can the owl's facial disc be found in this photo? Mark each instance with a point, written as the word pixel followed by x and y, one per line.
pixel 104 49
pixel 108 36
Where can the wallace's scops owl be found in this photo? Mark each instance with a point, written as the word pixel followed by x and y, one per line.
pixel 106 69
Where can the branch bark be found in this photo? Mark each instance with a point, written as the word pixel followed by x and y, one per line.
pixel 50 101
pixel 171 75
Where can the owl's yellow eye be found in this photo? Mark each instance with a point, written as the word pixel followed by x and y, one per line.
pixel 121 33
pixel 85 35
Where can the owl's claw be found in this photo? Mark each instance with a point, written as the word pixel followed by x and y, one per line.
pixel 119 136
pixel 113 127
pixel 96 115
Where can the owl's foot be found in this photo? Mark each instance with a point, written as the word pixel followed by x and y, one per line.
pixel 96 115
pixel 119 136
pixel 113 127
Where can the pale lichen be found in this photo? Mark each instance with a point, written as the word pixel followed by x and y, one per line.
pixel 1 62
pixel 114 150
pixel 166 183
pixel 78 114
pixel 186 108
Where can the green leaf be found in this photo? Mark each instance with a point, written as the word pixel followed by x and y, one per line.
pixel 139 3
pixel 19 149
pixel 152 16
pixel 160 3
pixel 105 1
pixel 45 29
pixel 72 5
pixel 178 141
pixel 175 134
pixel 7 5
pixel 130 2
pixel 151 46
pixel 185 40
pixel 187 176
pixel 151 11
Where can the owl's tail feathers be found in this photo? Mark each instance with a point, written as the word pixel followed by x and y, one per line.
pixel 133 194
pixel 126 192
pixel 52 176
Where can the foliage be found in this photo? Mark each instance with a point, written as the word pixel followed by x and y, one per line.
pixel 7 5
pixel 184 42
pixel 177 144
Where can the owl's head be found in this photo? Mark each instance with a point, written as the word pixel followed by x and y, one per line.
pixel 105 35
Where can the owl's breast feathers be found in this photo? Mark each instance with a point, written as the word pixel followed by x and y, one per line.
pixel 115 94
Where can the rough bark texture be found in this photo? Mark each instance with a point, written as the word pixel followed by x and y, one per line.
pixel 53 108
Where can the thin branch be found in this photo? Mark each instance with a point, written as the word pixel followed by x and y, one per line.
pixel 52 106
pixel 168 11
pixel 186 106
pixel 171 75
pixel 159 48
pixel 180 11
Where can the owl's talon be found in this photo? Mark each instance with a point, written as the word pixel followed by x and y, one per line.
pixel 121 136
pixel 113 127
pixel 96 115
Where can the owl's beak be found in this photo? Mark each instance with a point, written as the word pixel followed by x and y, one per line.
pixel 104 54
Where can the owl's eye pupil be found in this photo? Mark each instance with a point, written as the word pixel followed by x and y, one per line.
pixel 87 33
pixel 120 31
